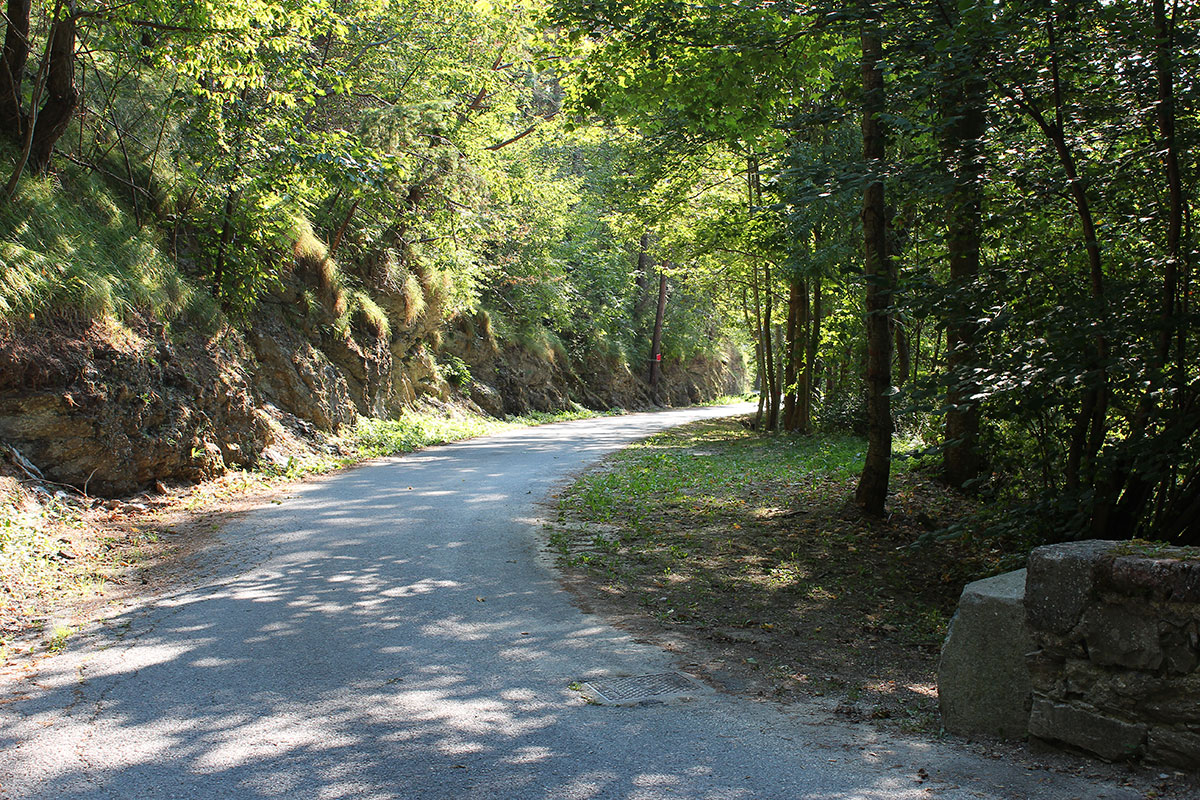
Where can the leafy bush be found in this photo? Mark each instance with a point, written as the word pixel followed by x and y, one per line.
pixel 843 412
pixel 455 370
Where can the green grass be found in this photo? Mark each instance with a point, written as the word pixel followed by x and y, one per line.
pixel 675 470
pixel 73 251
pixel 378 437
pixel 754 541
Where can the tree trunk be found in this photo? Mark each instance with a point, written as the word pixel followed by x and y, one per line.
pixel 656 341
pixel 918 330
pixel 877 268
pixel 642 278
pixel 769 353
pixel 903 353
pixel 12 70
pixel 752 327
pixel 1089 429
pixel 341 231
pixel 62 95
pixel 809 377
pixel 222 248
pixel 792 335
pixel 964 99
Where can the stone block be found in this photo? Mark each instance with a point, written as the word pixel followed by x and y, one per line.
pixel 1175 746
pixel 1105 736
pixel 1122 637
pixel 1170 699
pixel 1062 579
pixel 1181 643
pixel 983 681
pixel 1045 671
pixel 1173 576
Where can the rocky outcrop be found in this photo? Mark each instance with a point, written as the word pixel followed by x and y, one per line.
pixel 114 411
pixel 116 407
pixel 299 378
pixel 540 376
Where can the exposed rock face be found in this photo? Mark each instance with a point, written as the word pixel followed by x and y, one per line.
pixel 983 681
pixel 529 380
pixel 1117 634
pixel 300 378
pixel 117 411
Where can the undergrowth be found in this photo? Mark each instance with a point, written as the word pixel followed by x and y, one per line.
pixel 378 438
pixel 70 250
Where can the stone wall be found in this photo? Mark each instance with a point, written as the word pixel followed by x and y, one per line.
pixel 1116 631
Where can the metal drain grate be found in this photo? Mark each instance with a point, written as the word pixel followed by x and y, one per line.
pixel 641 688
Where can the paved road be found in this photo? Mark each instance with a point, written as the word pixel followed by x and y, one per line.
pixel 393 631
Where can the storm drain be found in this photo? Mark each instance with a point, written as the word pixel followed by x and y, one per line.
pixel 638 689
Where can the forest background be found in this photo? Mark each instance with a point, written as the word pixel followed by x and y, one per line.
pixel 969 222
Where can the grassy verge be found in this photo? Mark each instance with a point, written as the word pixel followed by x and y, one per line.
pixel 750 547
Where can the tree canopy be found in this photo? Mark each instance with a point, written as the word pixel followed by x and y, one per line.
pixel 961 228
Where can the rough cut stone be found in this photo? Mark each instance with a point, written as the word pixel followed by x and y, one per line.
pixel 1062 579
pixel 1109 738
pixel 983 681
pixel 1120 637
pixel 1173 577
pixel 1171 746
pixel 487 398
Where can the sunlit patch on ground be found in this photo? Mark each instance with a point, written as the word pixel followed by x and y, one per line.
pixel 749 547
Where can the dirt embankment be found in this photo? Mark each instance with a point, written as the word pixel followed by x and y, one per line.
pixel 114 409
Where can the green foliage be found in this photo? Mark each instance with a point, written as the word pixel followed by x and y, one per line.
pixel 373 438
pixel 455 370
pixel 69 249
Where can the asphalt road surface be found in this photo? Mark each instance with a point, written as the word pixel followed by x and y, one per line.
pixel 396 631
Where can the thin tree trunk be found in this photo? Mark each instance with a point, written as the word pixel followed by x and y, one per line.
pixel 770 378
pixel 752 327
pixel 877 268
pixel 809 381
pixel 222 247
pixel 133 187
pixel 918 330
pixel 792 335
pixel 641 279
pixel 903 352
pixel 12 69
pixel 759 354
pixel 341 231
pixel 656 341
pixel 769 352
pixel 62 96
pixel 1089 427
pixel 963 100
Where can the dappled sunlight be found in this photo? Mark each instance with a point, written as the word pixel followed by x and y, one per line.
pixel 371 652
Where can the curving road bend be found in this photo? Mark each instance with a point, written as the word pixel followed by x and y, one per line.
pixel 393 632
